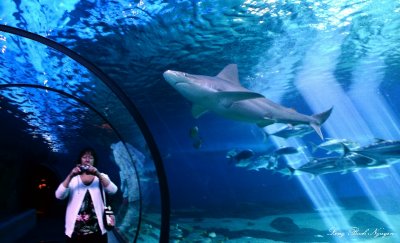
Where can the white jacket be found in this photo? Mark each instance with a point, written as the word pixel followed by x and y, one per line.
pixel 76 191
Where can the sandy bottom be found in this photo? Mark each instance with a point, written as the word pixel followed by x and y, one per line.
pixel 327 226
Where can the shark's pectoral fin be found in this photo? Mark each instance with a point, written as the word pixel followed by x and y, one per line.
pixel 227 98
pixel 317 129
pixel 198 110
pixel 321 118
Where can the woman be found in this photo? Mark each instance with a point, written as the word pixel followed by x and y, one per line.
pixel 84 214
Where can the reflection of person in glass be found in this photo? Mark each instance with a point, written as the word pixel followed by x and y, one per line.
pixel 129 184
pixel 84 215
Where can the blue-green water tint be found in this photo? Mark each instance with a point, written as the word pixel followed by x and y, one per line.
pixel 306 55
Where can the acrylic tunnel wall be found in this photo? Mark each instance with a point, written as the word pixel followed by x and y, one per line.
pixel 51 106
pixel 228 180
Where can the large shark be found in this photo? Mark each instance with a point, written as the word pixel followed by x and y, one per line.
pixel 224 95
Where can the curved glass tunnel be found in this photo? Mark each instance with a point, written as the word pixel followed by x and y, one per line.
pixel 229 181
pixel 47 117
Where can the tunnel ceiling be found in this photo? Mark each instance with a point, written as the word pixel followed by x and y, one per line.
pixel 58 98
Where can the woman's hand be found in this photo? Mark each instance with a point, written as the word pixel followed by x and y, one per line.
pixel 75 171
pixel 92 170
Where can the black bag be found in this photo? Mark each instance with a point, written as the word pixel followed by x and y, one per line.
pixel 108 214
pixel 108 218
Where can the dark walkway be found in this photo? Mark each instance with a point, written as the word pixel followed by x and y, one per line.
pixel 50 229
pixel 47 229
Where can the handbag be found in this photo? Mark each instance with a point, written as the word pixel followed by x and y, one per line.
pixel 108 214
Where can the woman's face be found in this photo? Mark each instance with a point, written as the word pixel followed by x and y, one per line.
pixel 87 159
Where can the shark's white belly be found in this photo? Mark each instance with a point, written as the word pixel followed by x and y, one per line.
pixel 260 110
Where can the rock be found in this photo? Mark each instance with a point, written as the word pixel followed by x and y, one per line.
pixel 284 224
pixel 365 221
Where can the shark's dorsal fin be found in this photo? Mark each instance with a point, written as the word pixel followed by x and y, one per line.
pixel 198 110
pixel 230 73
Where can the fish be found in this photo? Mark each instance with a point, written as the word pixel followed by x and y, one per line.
pixel 243 163
pixel 285 172
pixel 237 156
pixel 285 151
pixel 224 95
pixel 194 132
pixel 380 150
pixel 335 146
pixel 326 165
pixel 292 131
pixel 194 135
pixel 380 154
pixel 270 161
pixel 362 161
pixel 349 162
pixel 262 162
pixel 197 143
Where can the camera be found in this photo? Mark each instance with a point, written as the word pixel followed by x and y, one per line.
pixel 84 168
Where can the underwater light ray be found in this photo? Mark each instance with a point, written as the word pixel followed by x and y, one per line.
pixel 315 189
pixel 340 124
pixel 325 204
pixel 345 121
pixel 366 79
pixel 375 201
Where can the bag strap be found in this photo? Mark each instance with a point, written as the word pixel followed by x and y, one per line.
pixel 103 195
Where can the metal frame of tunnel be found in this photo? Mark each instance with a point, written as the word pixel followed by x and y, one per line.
pixel 126 101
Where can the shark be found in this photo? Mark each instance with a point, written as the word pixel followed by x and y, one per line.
pixel 351 160
pixel 380 150
pixel 292 131
pixel 224 95
pixel 327 165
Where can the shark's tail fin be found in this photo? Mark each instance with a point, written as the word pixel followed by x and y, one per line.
pixel 323 116
pixel 320 119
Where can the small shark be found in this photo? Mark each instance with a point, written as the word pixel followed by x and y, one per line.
pixel 320 166
pixel 292 131
pixel 239 155
pixel 270 161
pixel 380 150
pixel 350 161
pixel 333 145
pixel 224 95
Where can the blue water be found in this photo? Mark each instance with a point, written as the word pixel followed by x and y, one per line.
pixel 305 55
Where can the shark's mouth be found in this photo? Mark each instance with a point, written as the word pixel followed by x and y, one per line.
pixel 177 83
pixel 180 83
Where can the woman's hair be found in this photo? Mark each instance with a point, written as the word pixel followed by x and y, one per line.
pixel 90 151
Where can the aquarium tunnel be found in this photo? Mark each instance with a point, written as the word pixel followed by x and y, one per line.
pixel 218 121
